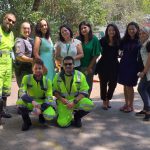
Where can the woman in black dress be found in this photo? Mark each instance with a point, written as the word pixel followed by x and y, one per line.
pixel 128 68
pixel 107 66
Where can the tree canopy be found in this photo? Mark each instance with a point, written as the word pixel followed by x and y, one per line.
pixel 72 12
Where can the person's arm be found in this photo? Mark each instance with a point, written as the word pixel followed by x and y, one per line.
pixel 79 52
pixel 62 99
pixel 58 52
pixel 56 91
pixel 24 58
pixel 146 67
pixel 95 54
pixel 36 48
pixel 20 50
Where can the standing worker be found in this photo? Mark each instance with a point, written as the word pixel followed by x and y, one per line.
pixel 6 45
pixel 71 90
pixel 23 53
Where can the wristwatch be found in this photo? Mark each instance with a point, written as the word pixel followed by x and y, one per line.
pixel 75 101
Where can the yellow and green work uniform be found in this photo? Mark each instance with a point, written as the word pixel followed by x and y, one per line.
pixel 6 45
pixel 69 87
pixel 39 91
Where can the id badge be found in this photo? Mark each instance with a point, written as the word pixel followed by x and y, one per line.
pixel 12 55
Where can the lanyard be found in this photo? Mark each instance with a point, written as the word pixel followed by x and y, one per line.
pixel 68 47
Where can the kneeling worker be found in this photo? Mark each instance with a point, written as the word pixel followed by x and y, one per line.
pixel 71 90
pixel 36 95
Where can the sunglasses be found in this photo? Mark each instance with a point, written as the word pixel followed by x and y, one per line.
pixel 10 20
pixel 68 64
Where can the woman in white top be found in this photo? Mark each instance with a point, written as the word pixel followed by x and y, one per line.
pixel 68 46
pixel 144 84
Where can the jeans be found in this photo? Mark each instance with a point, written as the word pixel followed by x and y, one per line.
pixel 144 91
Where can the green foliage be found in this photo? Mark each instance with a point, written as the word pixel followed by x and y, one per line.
pixel 72 12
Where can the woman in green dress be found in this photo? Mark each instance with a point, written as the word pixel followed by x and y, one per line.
pixel 91 50
pixel 43 47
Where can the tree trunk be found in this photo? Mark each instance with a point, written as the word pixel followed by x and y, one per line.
pixel 36 5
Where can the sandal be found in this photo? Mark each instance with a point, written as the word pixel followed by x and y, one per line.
pixel 128 109
pixel 123 107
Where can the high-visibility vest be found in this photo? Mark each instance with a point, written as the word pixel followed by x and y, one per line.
pixel 75 87
pixel 6 40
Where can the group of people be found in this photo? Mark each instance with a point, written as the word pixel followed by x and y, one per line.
pixel 77 60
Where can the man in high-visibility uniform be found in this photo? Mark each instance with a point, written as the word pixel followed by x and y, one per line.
pixel 71 90
pixel 6 45
pixel 36 95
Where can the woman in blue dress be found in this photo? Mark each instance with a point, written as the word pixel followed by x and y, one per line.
pixel 43 47
pixel 128 67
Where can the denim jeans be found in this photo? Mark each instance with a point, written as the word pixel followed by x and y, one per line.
pixel 144 91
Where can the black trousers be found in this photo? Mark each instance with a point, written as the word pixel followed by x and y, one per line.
pixel 21 71
pixel 108 83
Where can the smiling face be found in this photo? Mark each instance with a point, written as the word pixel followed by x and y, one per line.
pixel 85 30
pixel 9 21
pixel 25 29
pixel 65 33
pixel 111 31
pixel 143 36
pixel 37 71
pixel 68 66
pixel 132 30
pixel 43 27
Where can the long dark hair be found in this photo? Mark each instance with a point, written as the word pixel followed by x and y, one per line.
pixel 90 34
pixel 127 36
pixel 38 29
pixel 116 38
pixel 61 38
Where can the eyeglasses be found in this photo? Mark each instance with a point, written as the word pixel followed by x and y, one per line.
pixel 10 20
pixel 67 64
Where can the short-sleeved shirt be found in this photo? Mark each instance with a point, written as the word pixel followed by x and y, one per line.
pixel 69 49
pixel 23 47
pixel 90 50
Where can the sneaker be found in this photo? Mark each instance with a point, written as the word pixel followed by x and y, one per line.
pixel 140 113
pixel 5 114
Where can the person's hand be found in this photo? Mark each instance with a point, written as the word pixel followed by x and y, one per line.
pixel 36 111
pixel 36 105
pixel 64 101
pixel 89 70
pixel 141 74
pixel 70 105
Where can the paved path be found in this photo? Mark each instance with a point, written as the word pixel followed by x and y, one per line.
pixel 102 130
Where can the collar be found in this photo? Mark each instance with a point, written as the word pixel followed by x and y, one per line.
pixel 62 74
pixel 36 79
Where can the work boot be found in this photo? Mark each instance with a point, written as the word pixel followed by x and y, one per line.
pixel 5 114
pixel 26 119
pixel 26 126
pixel 41 119
pixel 78 123
pixel 77 118
pixel 1 108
